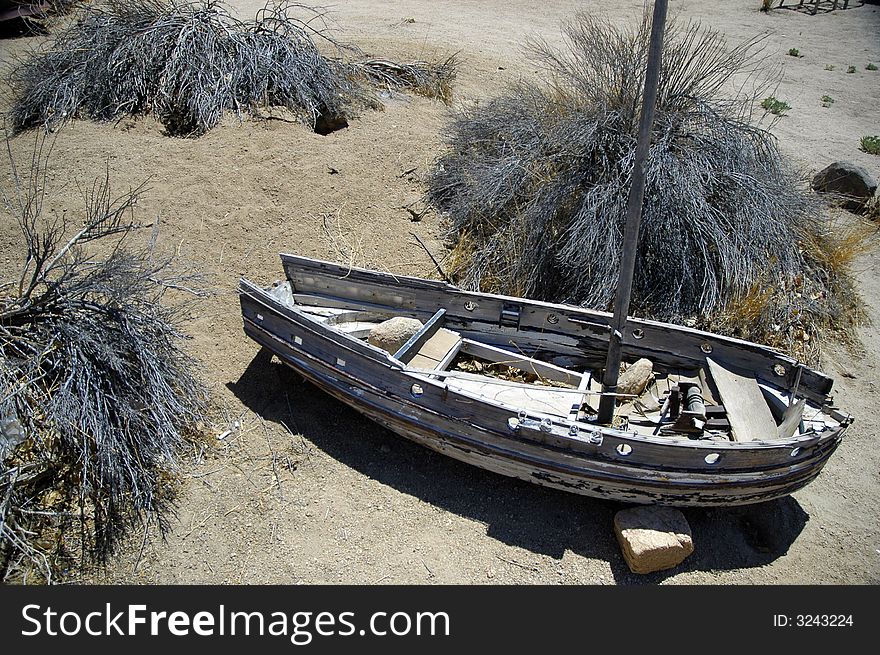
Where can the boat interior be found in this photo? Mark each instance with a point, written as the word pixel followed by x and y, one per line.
pixel 711 402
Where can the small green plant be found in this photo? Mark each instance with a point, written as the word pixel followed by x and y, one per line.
pixel 851 69
pixel 871 144
pixel 827 101
pixel 871 67
pixel 829 67
pixel 794 52
pixel 774 106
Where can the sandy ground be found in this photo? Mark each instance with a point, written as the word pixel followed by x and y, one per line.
pixel 354 503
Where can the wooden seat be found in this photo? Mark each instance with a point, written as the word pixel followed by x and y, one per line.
pixel 433 347
pixel 438 351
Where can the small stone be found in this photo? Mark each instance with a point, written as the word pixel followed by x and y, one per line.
pixel 390 335
pixel 653 538
pixel 852 182
pixel 636 377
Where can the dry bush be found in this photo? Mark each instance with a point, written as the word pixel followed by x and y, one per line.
pixel 190 62
pixel 535 182
pixel 96 392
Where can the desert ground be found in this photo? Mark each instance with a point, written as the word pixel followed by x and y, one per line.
pixel 305 490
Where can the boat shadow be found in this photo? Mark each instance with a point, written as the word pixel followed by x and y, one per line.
pixel 540 520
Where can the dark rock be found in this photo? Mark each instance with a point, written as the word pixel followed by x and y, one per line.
pixel 850 181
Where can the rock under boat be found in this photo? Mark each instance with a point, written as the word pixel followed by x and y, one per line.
pixel 512 385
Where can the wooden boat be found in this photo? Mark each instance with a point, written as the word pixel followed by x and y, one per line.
pixel 724 421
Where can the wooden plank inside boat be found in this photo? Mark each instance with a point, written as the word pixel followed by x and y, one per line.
pixel 441 343
pixel 416 341
pixel 543 370
pixel 436 352
pixel 747 411
pixel 791 419
pixel 546 400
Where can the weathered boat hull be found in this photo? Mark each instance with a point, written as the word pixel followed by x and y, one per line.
pixel 462 426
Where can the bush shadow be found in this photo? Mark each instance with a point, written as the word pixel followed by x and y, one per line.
pixel 543 521
pixel 19 27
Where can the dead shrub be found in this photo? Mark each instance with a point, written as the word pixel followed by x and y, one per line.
pixel 534 184
pixel 97 394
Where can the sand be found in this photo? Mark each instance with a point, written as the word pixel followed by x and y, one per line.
pixel 354 503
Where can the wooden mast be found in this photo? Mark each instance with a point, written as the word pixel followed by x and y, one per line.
pixel 633 216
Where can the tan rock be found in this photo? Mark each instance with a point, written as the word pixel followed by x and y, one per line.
pixel 636 377
pixel 390 335
pixel 653 538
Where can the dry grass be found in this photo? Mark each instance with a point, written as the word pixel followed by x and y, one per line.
pixel 431 80
pixel 795 316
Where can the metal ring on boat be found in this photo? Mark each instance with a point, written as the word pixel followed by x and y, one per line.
pixel 706 347
pixel 470 305
pixel 712 458
pixel 546 425
pixel 624 449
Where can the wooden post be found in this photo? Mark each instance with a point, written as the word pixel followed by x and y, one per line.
pixel 633 216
